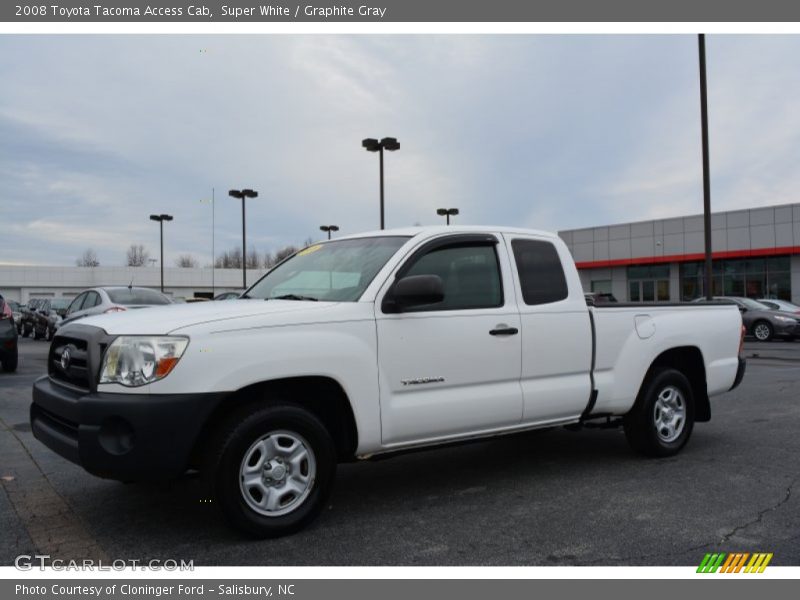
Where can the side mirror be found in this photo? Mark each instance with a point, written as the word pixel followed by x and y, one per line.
pixel 742 309
pixel 417 290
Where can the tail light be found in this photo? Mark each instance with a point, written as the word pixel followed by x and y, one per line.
pixel 114 309
pixel 741 340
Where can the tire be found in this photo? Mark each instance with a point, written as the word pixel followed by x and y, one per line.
pixel 10 364
pixel 27 331
pixel 263 438
pixel 51 333
pixel 666 391
pixel 763 331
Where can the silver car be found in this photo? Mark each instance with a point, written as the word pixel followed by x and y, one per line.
pixel 782 305
pixel 101 300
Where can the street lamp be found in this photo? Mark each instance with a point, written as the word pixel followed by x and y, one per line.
pixel 447 212
pixel 373 145
pixel 701 47
pixel 161 219
pixel 242 194
pixel 329 228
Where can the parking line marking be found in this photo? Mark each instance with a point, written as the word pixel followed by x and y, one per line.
pixel 52 525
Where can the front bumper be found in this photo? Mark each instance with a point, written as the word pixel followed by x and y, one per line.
pixel 786 330
pixel 130 437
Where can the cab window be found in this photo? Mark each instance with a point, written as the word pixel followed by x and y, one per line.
pixel 470 274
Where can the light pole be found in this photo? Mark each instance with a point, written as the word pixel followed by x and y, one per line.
pixel 161 219
pixel 213 249
pixel 447 212
pixel 701 46
pixel 373 145
pixel 329 228
pixel 242 194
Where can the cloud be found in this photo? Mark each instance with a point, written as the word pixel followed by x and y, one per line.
pixel 553 132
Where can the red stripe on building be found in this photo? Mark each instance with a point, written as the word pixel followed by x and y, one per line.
pixel 654 260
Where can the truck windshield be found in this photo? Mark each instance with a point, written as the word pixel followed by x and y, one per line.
pixel 337 271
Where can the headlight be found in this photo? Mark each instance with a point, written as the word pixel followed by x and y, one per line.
pixel 785 319
pixel 138 360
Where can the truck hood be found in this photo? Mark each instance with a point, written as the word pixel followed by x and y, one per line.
pixel 161 320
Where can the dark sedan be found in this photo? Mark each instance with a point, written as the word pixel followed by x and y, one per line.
pixel 8 338
pixel 761 321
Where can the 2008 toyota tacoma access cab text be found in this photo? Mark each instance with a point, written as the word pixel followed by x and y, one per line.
pixel 372 344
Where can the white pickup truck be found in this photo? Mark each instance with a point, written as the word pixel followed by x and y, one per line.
pixel 373 344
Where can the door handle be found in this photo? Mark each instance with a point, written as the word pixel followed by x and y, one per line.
pixel 504 331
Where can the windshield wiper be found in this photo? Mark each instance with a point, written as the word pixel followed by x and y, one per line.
pixel 294 297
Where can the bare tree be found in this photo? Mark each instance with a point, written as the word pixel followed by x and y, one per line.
pixel 230 259
pixel 308 242
pixel 186 261
pixel 283 253
pixel 88 259
pixel 137 255
pixel 253 259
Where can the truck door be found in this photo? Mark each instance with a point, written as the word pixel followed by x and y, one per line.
pixel 556 331
pixel 452 367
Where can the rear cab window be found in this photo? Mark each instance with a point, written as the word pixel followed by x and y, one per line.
pixel 541 274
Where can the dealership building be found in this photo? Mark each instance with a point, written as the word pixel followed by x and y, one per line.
pixel 756 253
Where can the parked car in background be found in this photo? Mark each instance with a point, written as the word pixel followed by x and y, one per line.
pixel 8 338
pixel 47 317
pixel 25 325
pixel 16 310
pixel 761 321
pixel 99 300
pixel 781 305
pixel 595 298
pixel 228 296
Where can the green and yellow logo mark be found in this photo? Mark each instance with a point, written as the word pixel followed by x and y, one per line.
pixel 735 562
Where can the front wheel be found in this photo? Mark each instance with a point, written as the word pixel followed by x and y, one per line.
pixel 272 469
pixel 763 331
pixel 661 421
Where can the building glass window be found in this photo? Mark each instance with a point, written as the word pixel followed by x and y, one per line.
pixel 752 277
pixel 648 283
pixel 633 291
pixel 602 286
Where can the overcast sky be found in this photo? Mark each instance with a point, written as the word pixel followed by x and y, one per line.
pixel 550 132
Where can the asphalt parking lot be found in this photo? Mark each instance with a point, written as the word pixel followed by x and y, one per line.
pixel 555 497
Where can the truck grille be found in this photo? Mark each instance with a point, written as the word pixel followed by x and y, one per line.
pixel 72 369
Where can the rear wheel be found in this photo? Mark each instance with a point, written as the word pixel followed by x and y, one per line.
pixel 762 331
pixel 272 469
pixel 661 421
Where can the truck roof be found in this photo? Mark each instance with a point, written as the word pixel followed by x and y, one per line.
pixel 436 229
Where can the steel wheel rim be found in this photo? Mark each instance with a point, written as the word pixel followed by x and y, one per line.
pixel 669 414
pixel 762 331
pixel 277 473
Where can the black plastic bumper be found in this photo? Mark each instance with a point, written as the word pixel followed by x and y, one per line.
pixel 130 437
pixel 739 373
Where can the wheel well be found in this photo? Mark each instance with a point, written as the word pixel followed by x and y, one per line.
pixel 322 396
pixel 689 361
